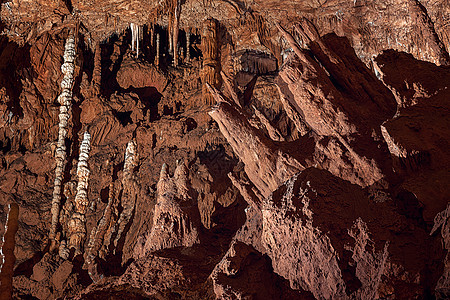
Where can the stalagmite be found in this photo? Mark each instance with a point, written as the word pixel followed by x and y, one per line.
pixel 130 189
pixel 7 251
pixel 152 34
pixel 65 99
pixel 112 225
pixel 169 30
pixel 97 237
pixel 176 216
pixel 77 224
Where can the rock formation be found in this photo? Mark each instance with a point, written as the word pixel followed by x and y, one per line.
pixel 307 139
pixel 175 219
pixel 77 223
pixel 65 100
pixel 7 252
pixel 211 67
pixel 111 223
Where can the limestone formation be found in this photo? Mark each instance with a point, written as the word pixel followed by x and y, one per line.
pixel 7 252
pixel 135 38
pixel 211 64
pixel 321 171
pixel 266 166
pixel 442 221
pixel 158 46
pixel 129 193
pixel 175 219
pixel 97 236
pixel 77 223
pixel 65 101
pixel 176 29
pixel 112 223
pixel 97 72
pixel 188 45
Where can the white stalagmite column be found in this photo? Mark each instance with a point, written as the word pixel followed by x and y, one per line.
pixel 77 224
pixel 65 100
pixel 130 189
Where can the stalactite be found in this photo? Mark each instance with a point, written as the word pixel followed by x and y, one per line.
pixel 188 45
pixel 65 100
pixel 97 73
pixel 170 37
pixel 7 251
pixel 176 29
pixel 151 28
pixel 129 193
pixel 211 64
pixel 77 224
pixel 135 37
pixel 158 41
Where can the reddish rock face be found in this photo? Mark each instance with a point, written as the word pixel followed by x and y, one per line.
pixel 308 142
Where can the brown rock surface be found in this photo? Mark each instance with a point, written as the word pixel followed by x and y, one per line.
pixel 320 172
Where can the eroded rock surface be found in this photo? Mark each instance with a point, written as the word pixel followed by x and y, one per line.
pixel 271 149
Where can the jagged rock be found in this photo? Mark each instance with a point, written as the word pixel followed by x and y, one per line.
pixel 234 277
pixel 176 219
pixel 266 166
pixel 442 220
pixel 329 107
pixel 301 233
pixel 320 95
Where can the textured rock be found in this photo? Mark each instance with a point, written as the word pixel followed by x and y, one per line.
pixel 176 219
pixel 265 165
pixel 7 252
pixel 442 221
pixel 65 99
pixel 77 223
pixel 320 174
